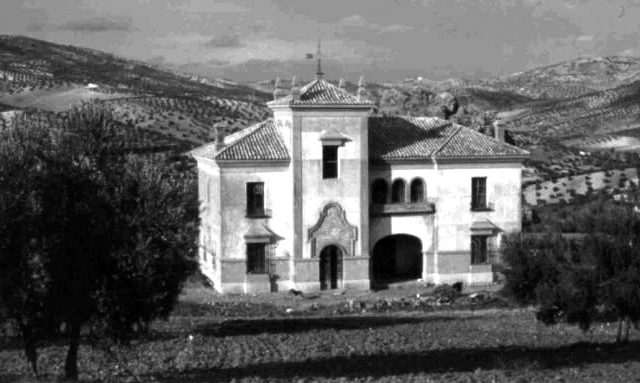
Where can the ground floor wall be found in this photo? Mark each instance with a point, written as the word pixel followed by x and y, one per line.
pixel 230 276
pixel 420 250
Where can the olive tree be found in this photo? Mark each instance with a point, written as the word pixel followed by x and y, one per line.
pixel 92 240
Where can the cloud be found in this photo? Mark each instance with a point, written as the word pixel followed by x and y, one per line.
pixel 99 24
pixel 355 22
pixel 584 38
pixel 630 52
pixel 395 28
pixel 224 41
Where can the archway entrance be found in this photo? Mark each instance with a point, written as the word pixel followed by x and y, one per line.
pixel 397 258
pixel 330 268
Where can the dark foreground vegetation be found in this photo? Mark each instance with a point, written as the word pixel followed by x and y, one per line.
pixel 92 238
pixel 591 275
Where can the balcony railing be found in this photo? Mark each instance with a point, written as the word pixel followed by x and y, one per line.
pixel 259 213
pixel 410 208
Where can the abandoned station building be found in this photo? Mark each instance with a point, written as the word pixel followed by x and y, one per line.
pixel 326 196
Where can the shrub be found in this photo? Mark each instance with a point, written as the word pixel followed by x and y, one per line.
pixel 447 292
pixel 577 280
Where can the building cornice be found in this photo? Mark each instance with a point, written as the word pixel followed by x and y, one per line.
pixel 253 163
pixel 453 160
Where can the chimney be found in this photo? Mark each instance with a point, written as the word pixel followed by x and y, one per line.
pixel 278 92
pixel 341 84
pixel 362 91
pixel 498 131
pixel 295 90
pixel 219 142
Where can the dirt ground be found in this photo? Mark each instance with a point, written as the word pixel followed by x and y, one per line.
pixel 414 336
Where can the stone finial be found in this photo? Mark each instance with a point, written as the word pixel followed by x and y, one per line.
pixel 295 90
pixel 498 131
pixel 341 83
pixel 278 91
pixel 362 90
pixel 219 141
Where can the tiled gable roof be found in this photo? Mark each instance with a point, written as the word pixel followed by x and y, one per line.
pixel 321 92
pixel 259 142
pixel 390 139
pixel 415 138
pixel 468 143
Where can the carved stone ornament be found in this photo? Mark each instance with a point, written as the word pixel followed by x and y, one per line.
pixel 333 228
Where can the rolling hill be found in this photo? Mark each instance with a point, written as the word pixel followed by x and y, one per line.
pixel 576 117
pixel 46 79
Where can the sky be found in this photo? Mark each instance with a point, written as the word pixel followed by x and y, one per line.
pixel 249 40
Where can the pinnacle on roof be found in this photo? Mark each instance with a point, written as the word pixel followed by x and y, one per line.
pixel 362 91
pixel 295 90
pixel 278 91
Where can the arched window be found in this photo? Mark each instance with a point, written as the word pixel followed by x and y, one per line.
pixel 397 191
pixel 379 191
pixel 417 190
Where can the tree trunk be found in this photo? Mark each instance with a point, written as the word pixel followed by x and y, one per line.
pixel 626 334
pixel 32 356
pixel 71 364
pixel 619 336
pixel 30 349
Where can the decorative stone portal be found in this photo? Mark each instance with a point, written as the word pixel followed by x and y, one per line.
pixel 333 228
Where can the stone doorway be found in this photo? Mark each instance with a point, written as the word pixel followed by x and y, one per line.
pixel 330 268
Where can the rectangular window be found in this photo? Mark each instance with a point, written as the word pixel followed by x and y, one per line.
pixel 329 161
pixel 255 199
pixel 478 193
pixel 256 258
pixel 478 249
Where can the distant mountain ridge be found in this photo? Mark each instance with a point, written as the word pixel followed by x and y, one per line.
pixel 557 110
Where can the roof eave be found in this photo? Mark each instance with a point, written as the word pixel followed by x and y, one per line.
pixel 254 163
pixel 484 158
pixel 331 106
pixel 461 159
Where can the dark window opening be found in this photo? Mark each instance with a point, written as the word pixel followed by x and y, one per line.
pixel 417 190
pixel 479 193
pixel 478 249
pixel 256 258
pixel 379 191
pixel 329 162
pixel 255 199
pixel 397 191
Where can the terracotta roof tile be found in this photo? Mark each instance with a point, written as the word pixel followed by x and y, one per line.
pixel 407 138
pixel 321 92
pixel 390 138
pixel 467 143
pixel 259 142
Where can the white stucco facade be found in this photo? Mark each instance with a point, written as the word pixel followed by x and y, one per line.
pixel 328 232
